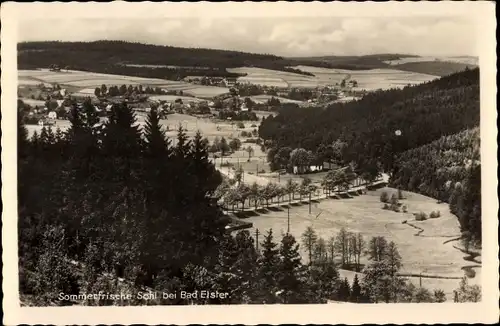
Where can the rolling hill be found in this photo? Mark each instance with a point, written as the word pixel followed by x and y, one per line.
pixel 425 65
pixel 436 68
pixel 168 62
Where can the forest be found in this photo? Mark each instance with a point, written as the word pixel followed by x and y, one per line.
pixel 448 169
pixel 381 126
pixel 117 57
pixel 110 207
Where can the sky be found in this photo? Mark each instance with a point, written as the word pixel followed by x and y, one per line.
pixel 284 36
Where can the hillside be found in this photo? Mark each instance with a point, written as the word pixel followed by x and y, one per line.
pixel 422 114
pixel 448 169
pixel 363 62
pixel 143 60
pixel 168 62
pixel 436 68
pixel 421 65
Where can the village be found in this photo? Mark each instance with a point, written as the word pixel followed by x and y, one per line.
pixel 44 103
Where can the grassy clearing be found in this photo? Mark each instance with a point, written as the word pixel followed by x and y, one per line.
pixel 88 79
pixel 368 79
pixel 172 98
pixel 363 214
pixel 265 98
pixel 207 91
pixel 267 77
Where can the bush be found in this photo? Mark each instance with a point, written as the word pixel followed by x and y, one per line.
pixel 405 209
pixel 384 197
pixel 470 273
pixel 434 214
pixel 420 216
pixel 240 125
pixel 396 209
pixel 386 206
pixel 253 125
pixel 400 194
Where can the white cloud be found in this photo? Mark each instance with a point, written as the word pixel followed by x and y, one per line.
pixel 281 36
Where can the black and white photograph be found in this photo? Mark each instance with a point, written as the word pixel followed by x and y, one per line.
pixel 220 158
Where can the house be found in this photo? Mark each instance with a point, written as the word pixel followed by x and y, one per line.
pixel 229 82
pixel 307 169
pixel 52 115
pixel 282 92
pixel 44 122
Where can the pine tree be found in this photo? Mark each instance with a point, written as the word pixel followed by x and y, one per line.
pixel 156 142
pixel 323 282
pixel 268 263
pixel 182 144
pixel 344 290
pixel 22 138
pixel 246 265
pixel 289 270
pixel 228 276
pixel 355 291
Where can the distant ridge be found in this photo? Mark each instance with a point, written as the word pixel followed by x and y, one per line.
pixel 114 56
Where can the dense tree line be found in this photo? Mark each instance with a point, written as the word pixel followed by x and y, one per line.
pixel 113 56
pixel 109 207
pixel 448 169
pixel 116 199
pixel 382 125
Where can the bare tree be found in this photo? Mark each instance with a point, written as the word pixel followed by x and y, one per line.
pixel 377 248
pixel 359 245
pixel 342 244
pixel 309 239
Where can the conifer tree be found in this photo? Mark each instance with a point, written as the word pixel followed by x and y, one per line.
pixel 355 290
pixel 289 270
pixel 246 265
pixel 156 142
pixel 268 263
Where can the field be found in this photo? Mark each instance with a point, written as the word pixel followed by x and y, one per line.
pixel 265 98
pixel 172 98
pixel 367 79
pixel 86 82
pixel 465 60
pixel 267 77
pixel 424 254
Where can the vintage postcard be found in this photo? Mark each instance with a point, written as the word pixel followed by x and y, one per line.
pixel 247 163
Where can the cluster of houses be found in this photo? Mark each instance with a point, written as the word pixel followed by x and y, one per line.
pixel 211 81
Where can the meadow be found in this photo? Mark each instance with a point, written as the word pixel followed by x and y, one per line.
pixel 267 77
pixel 86 82
pixel 265 98
pixel 461 59
pixel 425 253
pixel 367 79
